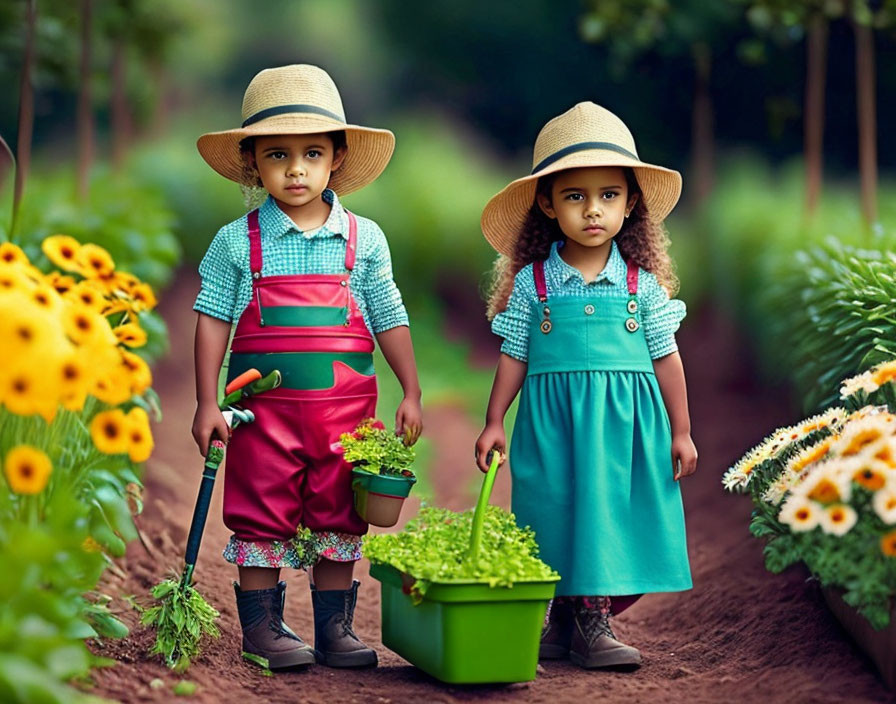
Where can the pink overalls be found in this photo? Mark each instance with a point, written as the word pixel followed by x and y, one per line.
pixel 284 470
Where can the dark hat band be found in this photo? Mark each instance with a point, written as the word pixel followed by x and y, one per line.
pixel 581 147
pixel 284 109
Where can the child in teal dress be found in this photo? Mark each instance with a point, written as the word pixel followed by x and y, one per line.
pixel 602 433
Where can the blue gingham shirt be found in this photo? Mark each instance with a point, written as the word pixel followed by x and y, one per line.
pixel 227 279
pixel 660 315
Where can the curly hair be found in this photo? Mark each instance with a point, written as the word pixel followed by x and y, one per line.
pixel 642 240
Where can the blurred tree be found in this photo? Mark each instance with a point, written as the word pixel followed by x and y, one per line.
pixel 786 21
pixel 85 120
pixel 26 112
pixel 671 28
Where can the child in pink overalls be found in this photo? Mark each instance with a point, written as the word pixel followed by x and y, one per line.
pixel 308 285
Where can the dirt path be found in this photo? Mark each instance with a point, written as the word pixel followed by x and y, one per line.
pixel 740 635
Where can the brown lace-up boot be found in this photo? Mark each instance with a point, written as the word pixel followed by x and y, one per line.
pixel 557 632
pixel 264 633
pixel 334 640
pixel 593 642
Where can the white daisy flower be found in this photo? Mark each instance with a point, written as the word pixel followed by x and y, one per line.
pixel 800 513
pixel 884 504
pixel 861 432
pixel 859 382
pixel 838 519
pixel 829 481
pixel 778 489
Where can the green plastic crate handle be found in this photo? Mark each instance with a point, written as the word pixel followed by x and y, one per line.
pixel 484 495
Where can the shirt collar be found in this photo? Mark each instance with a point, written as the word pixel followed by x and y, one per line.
pixel 614 271
pixel 276 223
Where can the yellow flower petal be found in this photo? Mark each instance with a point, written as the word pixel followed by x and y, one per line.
pixel 139 435
pixel 141 376
pixel 12 254
pixel 130 334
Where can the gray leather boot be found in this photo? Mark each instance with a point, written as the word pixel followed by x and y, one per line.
pixel 334 640
pixel 593 642
pixel 264 633
pixel 556 634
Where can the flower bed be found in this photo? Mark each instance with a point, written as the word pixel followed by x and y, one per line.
pixel 76 404
pixel 824 493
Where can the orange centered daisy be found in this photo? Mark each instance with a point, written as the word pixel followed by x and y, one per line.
pixel 884 373
pixel 825 492
pixel 63 251
pixel 870 479
pixel 862 439
pixel 12 254
pixel 95 261
pixel 109 431
pixel 888 544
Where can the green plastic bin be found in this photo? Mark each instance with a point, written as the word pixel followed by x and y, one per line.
pixel 465 632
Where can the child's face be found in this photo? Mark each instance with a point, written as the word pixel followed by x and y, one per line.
pixel 295 168
pixel 589 204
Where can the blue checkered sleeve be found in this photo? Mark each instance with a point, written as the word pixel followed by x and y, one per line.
pixel 380 297
pixel 513 323
pixel 660 315
pixel 221 278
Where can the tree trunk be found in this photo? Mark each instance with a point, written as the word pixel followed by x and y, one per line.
pixel 121 114
pixel 867 119
pixel 161 110
pixel 85 107
pixel 702 140
pixel 813 112
pixel 26 115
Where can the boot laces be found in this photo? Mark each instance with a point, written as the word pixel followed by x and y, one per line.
pixel 279 628
pixel 596 623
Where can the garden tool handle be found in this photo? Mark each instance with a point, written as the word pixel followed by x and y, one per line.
pixel 484 495
pixel 265 383
pixel 212 461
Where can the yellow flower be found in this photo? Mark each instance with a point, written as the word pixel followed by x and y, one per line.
pixel 90 545
pixel 89 295
pixel 95 261
pixel 63 251
pixel 74 378
pixel 85 326
pixel 61 282
pixel 27 469
pixel 888 544
pixel 884 450
pixel 130 334
pixel 828 482
pixel 13 279
pixel 860 382
pixel 140 442
pixel 113 386
pixel 45 296
pixel 143 297
pixel 109 430
pixel 24 392
pixel 12 254
pixel 141 376
pixel 883 373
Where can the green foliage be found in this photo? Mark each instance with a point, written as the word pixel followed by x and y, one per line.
pixel 433 548
pixel 376 450
pixel 126 217
pixel 810 294
pixel 181 619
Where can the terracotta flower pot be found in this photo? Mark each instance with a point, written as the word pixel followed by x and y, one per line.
pixel 379 497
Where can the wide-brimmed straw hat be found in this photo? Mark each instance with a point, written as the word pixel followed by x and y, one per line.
pixel 585 135
pixel 299 99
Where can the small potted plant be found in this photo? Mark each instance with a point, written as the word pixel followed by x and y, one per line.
pixel 381 478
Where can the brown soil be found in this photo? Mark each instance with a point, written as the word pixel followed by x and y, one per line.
pixel 742 634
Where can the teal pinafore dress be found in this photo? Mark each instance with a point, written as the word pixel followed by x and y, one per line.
pixel 590 454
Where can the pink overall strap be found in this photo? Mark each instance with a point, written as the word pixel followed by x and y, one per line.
pixel 254 244
pixel 632 278
pixel 352 245
pixel 540 287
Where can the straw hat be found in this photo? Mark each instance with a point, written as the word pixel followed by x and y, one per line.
pixel 299 99
pixel 585 135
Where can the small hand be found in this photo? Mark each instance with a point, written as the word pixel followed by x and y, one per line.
pixel 491 438
pixel 409 420
pixel 684 456
pixel 209 422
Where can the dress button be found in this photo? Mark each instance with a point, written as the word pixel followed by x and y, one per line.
pixel 631 325
pixel 632 306
pixel 256 274
pixel 342 283
pixel 589 309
